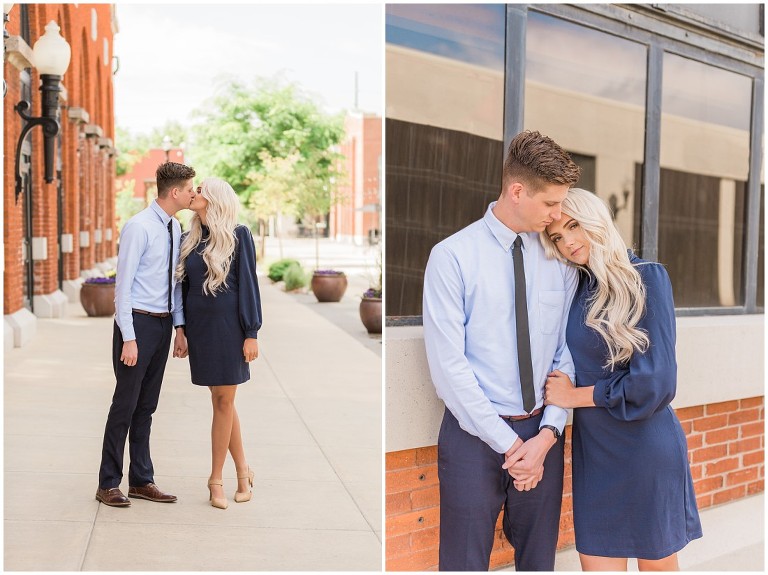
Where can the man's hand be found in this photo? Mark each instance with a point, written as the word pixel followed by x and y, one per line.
pixel 180 347
pixel 130 354
pixel 250 349
pixel 527 462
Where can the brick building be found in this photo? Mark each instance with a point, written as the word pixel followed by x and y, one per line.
pixel 55 234
pixel 142 174
pixel 357 217
pixel 662 108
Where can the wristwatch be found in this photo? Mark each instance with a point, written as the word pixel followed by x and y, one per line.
pixel 553 428
pixel 181 325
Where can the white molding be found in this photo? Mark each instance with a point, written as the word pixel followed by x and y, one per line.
pixel 719 358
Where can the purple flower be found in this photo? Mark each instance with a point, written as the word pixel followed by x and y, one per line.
pixel 372 293
pixel 100 281
pixel 328 273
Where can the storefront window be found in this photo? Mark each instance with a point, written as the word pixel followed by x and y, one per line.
pixel 444 110
pixel 586 90
pixel 704 169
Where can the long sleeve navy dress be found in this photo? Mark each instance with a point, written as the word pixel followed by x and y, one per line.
pixel 217 326
pixel 632 488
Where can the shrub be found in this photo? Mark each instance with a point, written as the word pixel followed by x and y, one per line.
pixel 294 277
pixel 277 269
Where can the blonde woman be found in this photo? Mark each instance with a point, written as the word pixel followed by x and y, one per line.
pixel 632 489
pixel 217 266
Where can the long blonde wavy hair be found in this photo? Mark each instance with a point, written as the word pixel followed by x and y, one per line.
pixel 221 220
pixel 619 301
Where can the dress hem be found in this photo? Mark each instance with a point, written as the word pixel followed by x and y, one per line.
pixel 647 556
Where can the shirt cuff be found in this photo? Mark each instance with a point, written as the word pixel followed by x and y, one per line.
pixel 505 440
pixel 556 416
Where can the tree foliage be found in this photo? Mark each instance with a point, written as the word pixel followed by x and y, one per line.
pixel 273 144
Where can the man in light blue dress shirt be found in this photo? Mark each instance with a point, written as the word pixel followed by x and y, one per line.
pixel 147 306
pixel 491 451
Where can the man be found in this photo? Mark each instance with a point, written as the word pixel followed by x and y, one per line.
pixel 148 305
pixel 489 364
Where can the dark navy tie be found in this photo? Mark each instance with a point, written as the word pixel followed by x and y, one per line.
pixel 170 264
pixel 521 323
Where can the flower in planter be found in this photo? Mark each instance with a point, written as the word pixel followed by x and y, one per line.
pixel 372 293
pixel 329 273
pixel 107 278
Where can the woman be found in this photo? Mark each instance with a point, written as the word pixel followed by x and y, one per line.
pixel 632 488
pixel 222 309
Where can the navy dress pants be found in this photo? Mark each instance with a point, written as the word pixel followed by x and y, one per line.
pixel 473 489
pixel 134 401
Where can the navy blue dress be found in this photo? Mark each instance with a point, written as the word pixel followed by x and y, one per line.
pixel 216 327
pixel 632 488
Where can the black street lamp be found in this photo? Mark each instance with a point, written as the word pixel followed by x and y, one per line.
pixel 51 55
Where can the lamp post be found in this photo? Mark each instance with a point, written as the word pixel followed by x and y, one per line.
pixel 6 35
pixel 167 147
pixel 51 55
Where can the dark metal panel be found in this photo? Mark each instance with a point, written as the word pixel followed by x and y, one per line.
pixel 753 194
pixel 514 72
pixel 649 231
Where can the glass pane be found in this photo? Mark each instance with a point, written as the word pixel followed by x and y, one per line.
pixel 586 90
pixel 444 124
pixel 702 193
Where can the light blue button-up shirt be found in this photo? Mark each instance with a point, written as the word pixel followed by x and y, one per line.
pixel 142 268
pixel 469 326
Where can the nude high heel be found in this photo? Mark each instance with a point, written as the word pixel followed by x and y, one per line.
pixel 219 502
pixel 243 497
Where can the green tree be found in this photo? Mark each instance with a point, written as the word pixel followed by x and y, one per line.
pixel 245 131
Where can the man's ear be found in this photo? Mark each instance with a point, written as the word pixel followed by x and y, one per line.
pixel 514 191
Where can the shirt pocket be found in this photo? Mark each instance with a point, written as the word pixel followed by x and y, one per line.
pixel 551 305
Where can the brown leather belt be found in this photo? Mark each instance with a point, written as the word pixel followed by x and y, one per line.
pixel 534 413
pixel 152 313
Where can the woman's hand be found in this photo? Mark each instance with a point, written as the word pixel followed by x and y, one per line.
pixel 559 390
pixel 250 349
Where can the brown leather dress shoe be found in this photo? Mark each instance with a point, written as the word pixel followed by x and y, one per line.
pixel 112 497
pixel 151 492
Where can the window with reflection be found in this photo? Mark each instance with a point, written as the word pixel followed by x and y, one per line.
pixel 586 90
pixel 444 132
pixel 704 159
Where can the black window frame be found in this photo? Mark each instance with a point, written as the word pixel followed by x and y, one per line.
pixel 660 31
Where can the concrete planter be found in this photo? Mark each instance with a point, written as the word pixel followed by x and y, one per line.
pixel 329 287
pixel 370 314
pixel 98 299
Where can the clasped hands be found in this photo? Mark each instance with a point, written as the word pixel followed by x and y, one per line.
pixel 525 460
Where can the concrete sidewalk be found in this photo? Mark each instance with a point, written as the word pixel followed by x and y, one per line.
pixel 311 418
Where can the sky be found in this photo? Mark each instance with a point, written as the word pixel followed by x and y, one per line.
pixel 173 57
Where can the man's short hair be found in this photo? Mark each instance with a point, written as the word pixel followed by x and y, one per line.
pixel 171 175
pixel 537 160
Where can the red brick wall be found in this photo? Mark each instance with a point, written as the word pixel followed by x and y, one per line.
pixel 361 150
pixel 725 449
pixel 88 82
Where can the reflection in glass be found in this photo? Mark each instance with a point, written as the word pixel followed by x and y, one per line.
pixel 702 193
pixel 586 90
pixel 445 90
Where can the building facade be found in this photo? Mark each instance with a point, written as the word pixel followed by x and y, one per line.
pixel 57 233
pixel 356 218
pixel 662 108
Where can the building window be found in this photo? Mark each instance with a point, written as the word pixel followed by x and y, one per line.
pixel 704 163
pixel 445 107
pixel 662 119
pixel 581 85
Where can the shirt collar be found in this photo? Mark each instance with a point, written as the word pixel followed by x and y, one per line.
pixel 502 233
pixel 160 212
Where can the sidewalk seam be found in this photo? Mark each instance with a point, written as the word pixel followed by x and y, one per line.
pixel 90 536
